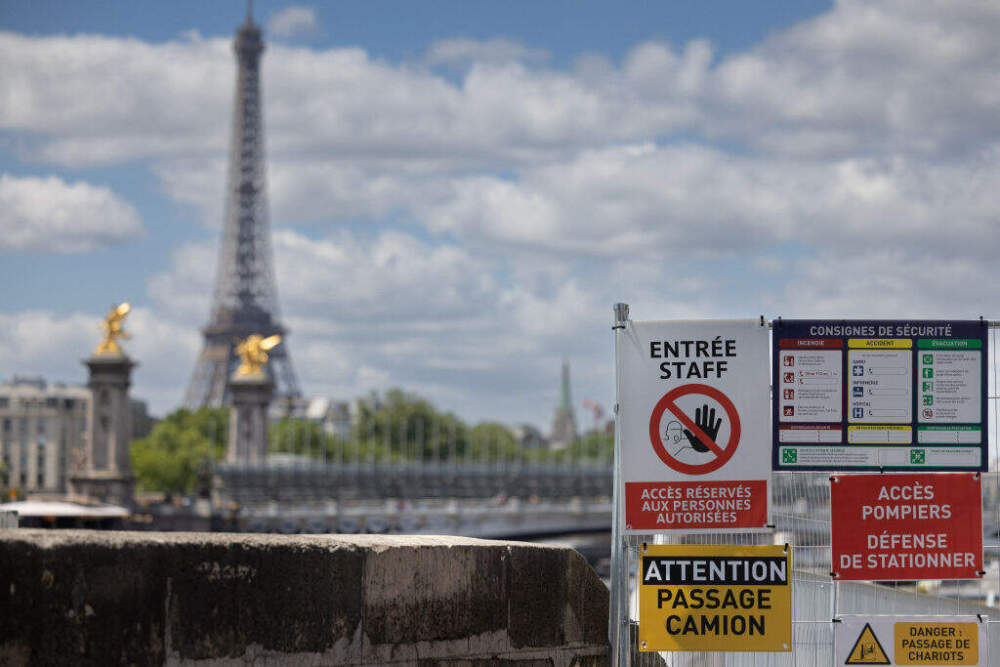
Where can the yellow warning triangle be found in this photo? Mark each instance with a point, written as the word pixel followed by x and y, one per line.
pixel 867 650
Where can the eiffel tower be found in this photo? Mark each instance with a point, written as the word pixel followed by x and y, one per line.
pixel 245 300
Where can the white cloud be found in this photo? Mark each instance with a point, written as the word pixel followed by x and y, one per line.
pixel 50 215
pixel 337 102
pixel 459 223
pixel 392 277
pixel 196 182
pixel 868 77
pixel 329 190
pixel 31 341
pixel 640 199
pixel 465 51
pixel 395 277
pixel 650 200
pixel 184 291
pixel 887 282
pixel 863 78
pixel 102 100
pixel 395 310
pixel 293 21
pixel 43 342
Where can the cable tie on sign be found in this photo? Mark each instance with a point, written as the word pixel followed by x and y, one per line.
pixel 780 323
pixel 980 617
pixel 834 478
pixel 761 320
pixel 786 548
pixel 644 547
pixel 981 573
pixel 836 620
pixel 835 575
pixel 769 525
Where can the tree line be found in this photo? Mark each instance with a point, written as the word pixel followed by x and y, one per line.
pixel 177 455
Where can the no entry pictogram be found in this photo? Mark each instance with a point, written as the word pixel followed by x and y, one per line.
pixel 722 453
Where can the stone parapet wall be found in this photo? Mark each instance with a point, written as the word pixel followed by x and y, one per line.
pixel 96 597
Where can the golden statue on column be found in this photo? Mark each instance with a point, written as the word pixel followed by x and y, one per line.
pixel 253 353
pixel 112 326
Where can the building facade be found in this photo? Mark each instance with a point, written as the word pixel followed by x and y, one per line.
pixel 43 433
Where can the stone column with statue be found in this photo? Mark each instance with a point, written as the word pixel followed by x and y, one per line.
pixel 251 388
pixel 104 472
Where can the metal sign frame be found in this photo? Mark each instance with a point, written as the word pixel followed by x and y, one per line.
pixel 861 639
pixel 622 629
pixel 872 402
pixel 694 426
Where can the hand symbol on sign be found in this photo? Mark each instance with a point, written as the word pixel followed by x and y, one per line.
pixel 707 422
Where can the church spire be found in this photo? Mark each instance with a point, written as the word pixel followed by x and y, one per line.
pixel 564 424
pixel 566 403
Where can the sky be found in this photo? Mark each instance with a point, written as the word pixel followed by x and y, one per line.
pixel 460 191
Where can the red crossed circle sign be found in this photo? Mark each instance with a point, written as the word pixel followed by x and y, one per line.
pixel 722 453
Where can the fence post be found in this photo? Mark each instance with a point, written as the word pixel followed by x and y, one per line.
pixel 618 635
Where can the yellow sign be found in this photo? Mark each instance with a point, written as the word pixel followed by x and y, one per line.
pixel 880 343
pixel 936 643
pixel 911 640
pixel 715 598
pixel 867 650
pixel 877 434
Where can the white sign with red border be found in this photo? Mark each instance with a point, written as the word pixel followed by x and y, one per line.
pixel 695 427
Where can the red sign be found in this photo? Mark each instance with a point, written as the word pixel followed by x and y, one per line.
pixel 719 505
pixel 822 343
pixel 907 527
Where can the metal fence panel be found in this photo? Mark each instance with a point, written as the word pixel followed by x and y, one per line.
pixel 801 514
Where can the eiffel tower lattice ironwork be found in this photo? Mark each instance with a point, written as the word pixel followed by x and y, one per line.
pixel 245 300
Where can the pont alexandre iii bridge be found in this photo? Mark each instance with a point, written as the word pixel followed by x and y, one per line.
pixel 460 498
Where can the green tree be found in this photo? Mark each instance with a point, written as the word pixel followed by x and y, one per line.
pixel 296 436
pixel 176 456
pixel 492 441
pixel 305 437
pixel 594 447
pixel 405 427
